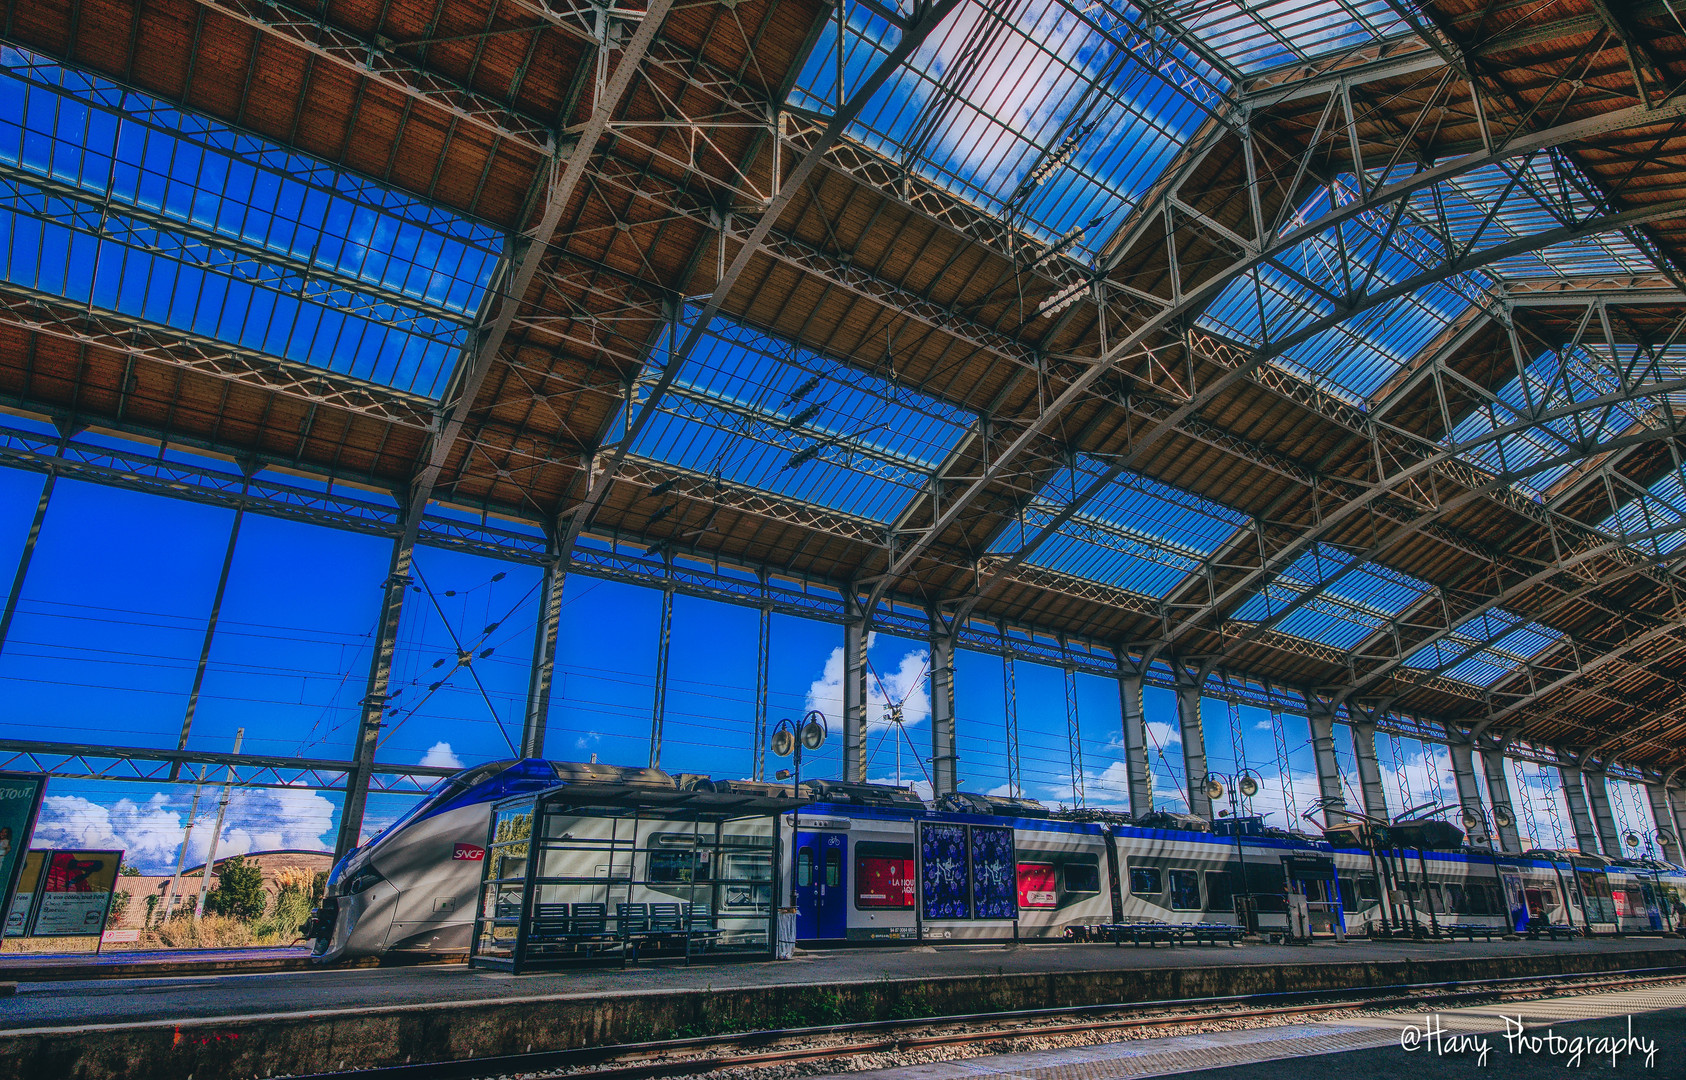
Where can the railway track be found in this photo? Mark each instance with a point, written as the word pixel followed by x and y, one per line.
pixel 691 1056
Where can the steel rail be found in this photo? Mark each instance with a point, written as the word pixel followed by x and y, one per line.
pixel 638 1065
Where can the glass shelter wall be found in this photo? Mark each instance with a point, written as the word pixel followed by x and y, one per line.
pixel 566 883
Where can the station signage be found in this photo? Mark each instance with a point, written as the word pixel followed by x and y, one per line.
pixel 20 802
pixel 75 893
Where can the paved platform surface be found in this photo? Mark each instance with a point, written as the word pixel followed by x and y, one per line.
pixel 114 963
pixel 132 1001
pixel 1646 1029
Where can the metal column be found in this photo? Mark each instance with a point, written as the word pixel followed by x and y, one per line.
pixel 1321 716
pixel 210 637
pixel 1193 739
pixel 25 557
pixel 1463 774
pixel 1603 821
pixel 543 673
pixel 855 641
pixel 763 652
pixel 1074 737
pixel 1370 786
pixel 1662 821
pixel 1498 792
pixel 374 695
pixel 1010 712
pixel 1137 776
pixel 944 759
pixel 1574 793
pixel 658 713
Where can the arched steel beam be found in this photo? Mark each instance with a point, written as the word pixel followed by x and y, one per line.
pixel 1188 303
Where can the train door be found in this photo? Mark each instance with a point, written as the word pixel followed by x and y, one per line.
pixel 1516 902
pixel 1653 910
pixel 822 893
pixel 1313 877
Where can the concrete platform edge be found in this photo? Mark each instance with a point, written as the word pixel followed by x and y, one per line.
pixel 452 1031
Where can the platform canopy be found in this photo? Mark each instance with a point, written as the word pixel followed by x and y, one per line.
pixel 1330 343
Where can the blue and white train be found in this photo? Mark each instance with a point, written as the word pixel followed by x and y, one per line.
pixel 412 889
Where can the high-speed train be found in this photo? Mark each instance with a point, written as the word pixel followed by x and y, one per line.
pixel 413 889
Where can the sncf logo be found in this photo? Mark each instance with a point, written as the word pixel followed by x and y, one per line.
pixel 468 852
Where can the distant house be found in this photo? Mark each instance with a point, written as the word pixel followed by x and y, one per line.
pixel 187 890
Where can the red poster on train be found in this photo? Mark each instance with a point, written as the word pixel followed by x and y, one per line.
pixel 884 882
pixel 1036 885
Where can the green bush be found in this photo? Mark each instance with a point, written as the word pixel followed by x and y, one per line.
pixel 239 893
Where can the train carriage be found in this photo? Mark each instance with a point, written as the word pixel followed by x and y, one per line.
pixel 872 863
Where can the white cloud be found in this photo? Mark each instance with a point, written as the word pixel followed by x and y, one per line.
pixel 441 755
pixel 1162 735
pixel 1262 725
pixel 906 683
pixel 150 833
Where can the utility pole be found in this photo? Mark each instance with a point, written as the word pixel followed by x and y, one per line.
pixel 222 812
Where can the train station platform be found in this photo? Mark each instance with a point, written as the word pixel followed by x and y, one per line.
pixel 328 1019
pixel 158 963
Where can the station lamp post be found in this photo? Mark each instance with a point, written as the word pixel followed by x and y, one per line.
pixel 789 739
pixel 1244 784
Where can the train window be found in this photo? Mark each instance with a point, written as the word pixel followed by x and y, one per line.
pixel 805 866
pixel 1220 892
pixel 1369 890
pixel 1036 885
pixel 1455 903
pixel 833 868
pixel 1082 877
pixel 883 883
pixel 746 866
pixel 670 866
pixel 1185 890
pixel 1349 894
pixel 1146 881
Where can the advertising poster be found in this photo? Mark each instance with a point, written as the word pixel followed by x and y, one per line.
pixel 76 893
pixel 20 801
pixel 17 916
pixel 994 878
pixel 1036 885
pixel 883 882
pixel 943 861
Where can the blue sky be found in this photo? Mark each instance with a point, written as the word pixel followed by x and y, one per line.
pixel 113 612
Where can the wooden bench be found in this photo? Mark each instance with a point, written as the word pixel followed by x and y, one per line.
pixel 1473 931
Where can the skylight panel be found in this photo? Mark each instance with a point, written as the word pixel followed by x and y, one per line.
pixel 121 202
pixel 1094 98
pixel 1258 37
pixel 1484 648
pixel 1137 534
pixel 1549 384
pixel 1654 521
pixel 749 410
pixel 1348 603
pixel 1355 357
pixel 1542 194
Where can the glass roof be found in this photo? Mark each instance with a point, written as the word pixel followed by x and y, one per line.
pixel 1345 611
pixel 122 202
pixel 1137 534
pixel 1099 98
pixel 1353 359
pixel 1256 37
pixel 751 410
pixel 1550 384
pixel 1485 648
pixel 1648 513
pixel 1463 204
